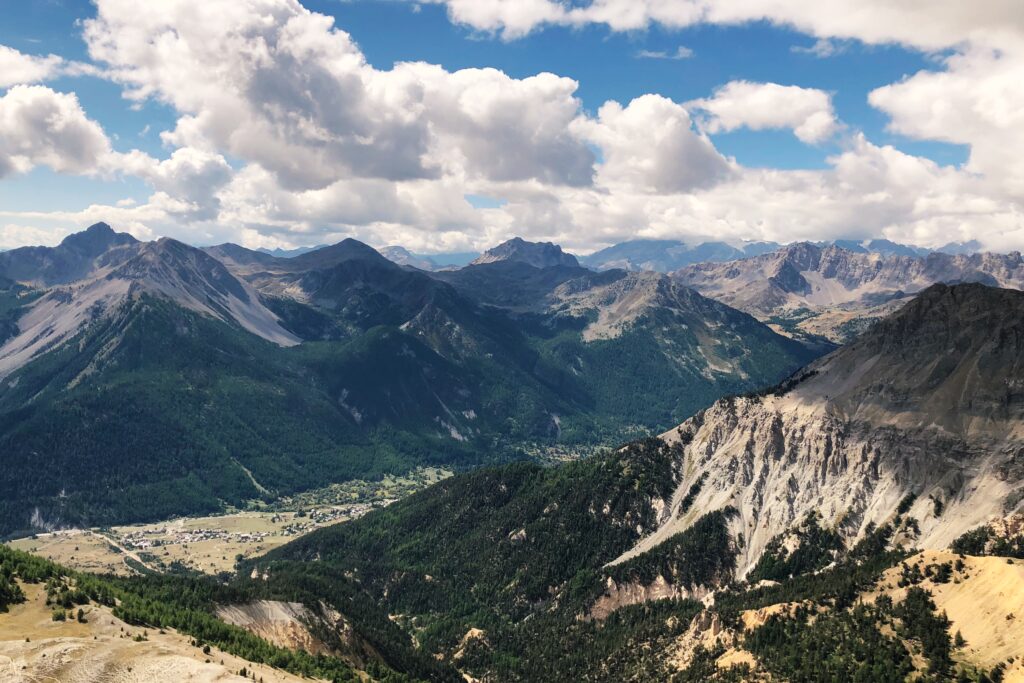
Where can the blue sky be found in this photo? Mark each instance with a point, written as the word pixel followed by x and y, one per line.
pixel 607 67
pixel 606 63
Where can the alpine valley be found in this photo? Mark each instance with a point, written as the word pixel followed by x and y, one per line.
pixel 658 476
pixel 142 380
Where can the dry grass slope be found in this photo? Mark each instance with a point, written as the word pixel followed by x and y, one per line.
pixel 103 649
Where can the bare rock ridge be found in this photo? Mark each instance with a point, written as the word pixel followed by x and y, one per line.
pixel 927 407
pixel 834 292
pixel 536 254
pixel 92 273
pixel 809 276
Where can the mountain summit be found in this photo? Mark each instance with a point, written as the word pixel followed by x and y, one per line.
pixel 92 274
pixel 536 254
pixel 923 412
pixel 72 259
pixel 95 240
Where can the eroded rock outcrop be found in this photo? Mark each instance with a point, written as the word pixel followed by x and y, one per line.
pixel 926 408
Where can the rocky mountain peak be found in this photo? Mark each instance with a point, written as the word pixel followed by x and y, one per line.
pixel 95 240
pixel 944 312
pixel 802 255
pixel 536 254
pixel 404 257
pixel 952 358
pixel 346 250
pixel 926 408
pixel 74 258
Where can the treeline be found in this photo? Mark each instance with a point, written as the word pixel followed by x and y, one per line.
pixel 850 645
pixel 702 555
pixel 838 587
pixel 833 646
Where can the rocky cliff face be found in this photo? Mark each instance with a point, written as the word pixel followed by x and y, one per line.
pixel 801 281
pixel 928 406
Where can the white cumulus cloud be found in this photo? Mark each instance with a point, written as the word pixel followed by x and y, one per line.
pixel 759 106
pixel 19 68
pixel 41 127
pixel 650 145
pixel 926 25
pixel 978 100
pixel 282 87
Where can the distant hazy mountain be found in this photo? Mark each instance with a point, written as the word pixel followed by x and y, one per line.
pixel 665 256
pixel 288 253
pixel 878 246
pixel 404 257
pixel 969 247
pixel 536 254
pixel 835 292
pixel 669 255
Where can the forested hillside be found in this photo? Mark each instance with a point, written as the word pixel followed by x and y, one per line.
pixel 517 552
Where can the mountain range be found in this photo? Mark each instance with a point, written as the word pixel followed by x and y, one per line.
pixel 666 256
pixel 663 256
pixel 808 512
pixel 146 379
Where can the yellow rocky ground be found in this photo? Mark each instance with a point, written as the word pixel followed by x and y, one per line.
pixel 985 602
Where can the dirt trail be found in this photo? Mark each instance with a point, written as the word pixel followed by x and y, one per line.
pixel 124 551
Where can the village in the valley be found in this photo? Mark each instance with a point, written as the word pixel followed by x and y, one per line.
pixel 214 544
pixel 286 526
